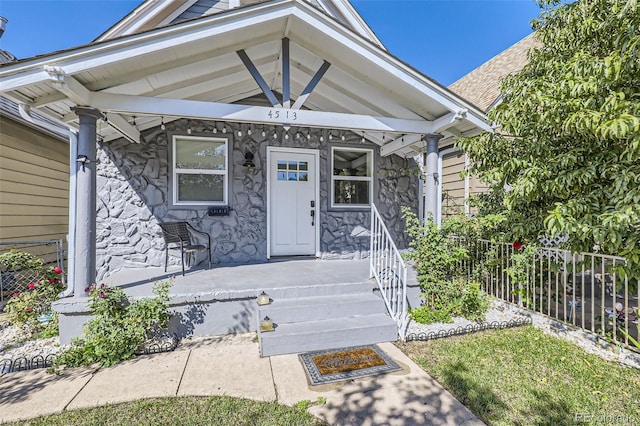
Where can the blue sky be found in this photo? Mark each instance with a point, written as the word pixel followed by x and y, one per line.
pixel 445 39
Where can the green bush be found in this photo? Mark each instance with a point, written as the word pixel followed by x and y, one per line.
pixel 30 310
pixel 441 256
pixel 119 328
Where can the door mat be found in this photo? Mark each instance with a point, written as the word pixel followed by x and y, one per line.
pixel 336 365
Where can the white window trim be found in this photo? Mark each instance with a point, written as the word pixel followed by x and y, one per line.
pixel 351 178
pixel 175 171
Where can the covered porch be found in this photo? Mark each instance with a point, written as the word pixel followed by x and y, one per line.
pixel 283 95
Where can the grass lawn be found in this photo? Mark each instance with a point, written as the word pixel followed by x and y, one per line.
pixel 521 376
pixel 214 410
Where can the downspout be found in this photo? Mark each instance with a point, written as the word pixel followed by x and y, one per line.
pixel 25 113
pixel 71 237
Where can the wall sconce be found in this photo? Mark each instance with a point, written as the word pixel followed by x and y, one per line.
pixel 263 299
pixel 248 160
pixel 266 324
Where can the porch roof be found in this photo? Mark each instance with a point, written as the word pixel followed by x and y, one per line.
pixel 193 69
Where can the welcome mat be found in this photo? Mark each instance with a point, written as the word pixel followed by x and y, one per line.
pixel 336 365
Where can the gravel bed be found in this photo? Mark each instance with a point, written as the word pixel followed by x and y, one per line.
pixel 498 312
pixel 13 345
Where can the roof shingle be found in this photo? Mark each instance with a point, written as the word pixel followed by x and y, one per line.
pixel 482 85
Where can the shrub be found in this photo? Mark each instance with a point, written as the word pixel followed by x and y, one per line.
pixel 30 310
pixel 119 328
pixel 441 256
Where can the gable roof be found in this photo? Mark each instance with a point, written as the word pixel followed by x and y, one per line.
pixel 152 14
pixel 482 85
pixel 193 69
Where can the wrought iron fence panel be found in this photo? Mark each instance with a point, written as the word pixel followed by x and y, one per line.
pixel 587 290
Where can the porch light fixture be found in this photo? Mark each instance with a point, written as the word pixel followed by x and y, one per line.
pixel 224 128
pixel 264 132
pixel 248 160
pixel 263 299
pixel 240 133
pixel 162 126
pixel 266 324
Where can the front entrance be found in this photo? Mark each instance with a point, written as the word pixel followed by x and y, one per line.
pixel 293 201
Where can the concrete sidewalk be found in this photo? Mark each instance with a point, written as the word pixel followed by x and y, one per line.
pixel 231 365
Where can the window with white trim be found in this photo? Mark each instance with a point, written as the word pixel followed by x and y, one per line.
pixel 199 170
pixel 352 177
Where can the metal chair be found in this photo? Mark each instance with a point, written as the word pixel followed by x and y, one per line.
pixel 178 233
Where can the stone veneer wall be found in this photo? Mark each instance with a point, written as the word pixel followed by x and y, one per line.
pixel 133 197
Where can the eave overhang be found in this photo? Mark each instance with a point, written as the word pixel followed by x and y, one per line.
pixel 196 63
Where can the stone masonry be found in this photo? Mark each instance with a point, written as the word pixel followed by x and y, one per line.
pixel 133 197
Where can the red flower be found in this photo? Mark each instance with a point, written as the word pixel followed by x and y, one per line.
pixel 32 286
pixel 101 295
pixel 57 270
pixel 28 309
pixel 15 295
pixel 517 245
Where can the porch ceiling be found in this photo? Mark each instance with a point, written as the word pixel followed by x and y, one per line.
pixel 197 61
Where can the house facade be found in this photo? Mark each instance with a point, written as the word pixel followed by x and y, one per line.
pixel 336 175
pixel 275 126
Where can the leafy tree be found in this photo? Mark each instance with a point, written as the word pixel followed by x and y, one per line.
pixel 569 146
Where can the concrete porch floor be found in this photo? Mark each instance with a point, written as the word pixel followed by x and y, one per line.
pixel 241 281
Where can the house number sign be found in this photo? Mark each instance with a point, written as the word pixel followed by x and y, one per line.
pixel 277 114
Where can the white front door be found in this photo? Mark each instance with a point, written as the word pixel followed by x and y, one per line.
pixel 292 202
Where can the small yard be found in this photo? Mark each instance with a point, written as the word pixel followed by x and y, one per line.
pixel 215 410
pixel 522 376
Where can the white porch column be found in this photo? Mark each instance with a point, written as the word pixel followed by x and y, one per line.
pixel 431 177
pixel 85 235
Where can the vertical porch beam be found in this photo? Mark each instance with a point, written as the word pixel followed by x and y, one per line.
pixel 431 177
pixel 85 235
pixel 286 74
pixel 258 78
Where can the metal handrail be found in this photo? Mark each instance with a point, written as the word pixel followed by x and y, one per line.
pixel 390 272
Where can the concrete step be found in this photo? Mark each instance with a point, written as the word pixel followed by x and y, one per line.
pixel 322 307
pixel 314 290
pixel 332 333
